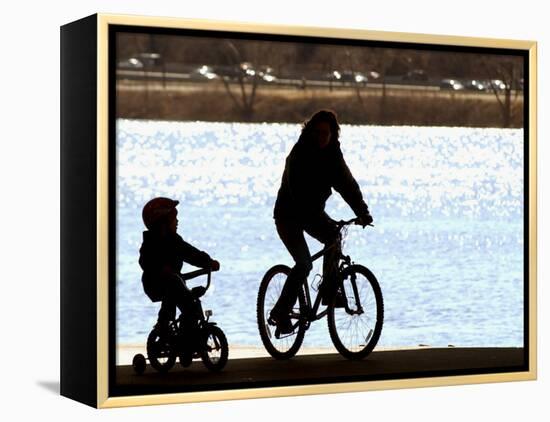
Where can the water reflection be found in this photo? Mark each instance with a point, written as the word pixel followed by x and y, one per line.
pixel 448 204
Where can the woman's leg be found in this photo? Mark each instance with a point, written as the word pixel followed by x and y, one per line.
pixel 325 230
pixel 292 235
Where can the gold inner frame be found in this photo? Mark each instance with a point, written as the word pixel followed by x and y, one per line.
pixel 104 20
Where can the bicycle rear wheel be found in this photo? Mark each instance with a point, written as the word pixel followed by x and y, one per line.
pixel 271 286
pixel 160 352
pixel 355 332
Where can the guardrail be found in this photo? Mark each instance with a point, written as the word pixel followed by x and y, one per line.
pixel 394 84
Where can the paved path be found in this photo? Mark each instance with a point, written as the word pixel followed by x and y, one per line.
pixel 326 368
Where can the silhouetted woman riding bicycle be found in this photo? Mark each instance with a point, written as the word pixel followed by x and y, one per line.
pixel 313 168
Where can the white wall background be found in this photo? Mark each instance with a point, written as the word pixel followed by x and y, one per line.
pixel 29 208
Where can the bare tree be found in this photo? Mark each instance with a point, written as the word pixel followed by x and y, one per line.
pixel 507 74
pixel 384 59
pixel 355 83
pixel 380 60
pixel 246 58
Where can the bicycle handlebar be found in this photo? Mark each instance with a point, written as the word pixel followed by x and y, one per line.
pixel 355 220
pixel 198 273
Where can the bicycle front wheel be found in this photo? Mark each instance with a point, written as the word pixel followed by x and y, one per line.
pixel 216 351
pixel 356 328
pixel 286 345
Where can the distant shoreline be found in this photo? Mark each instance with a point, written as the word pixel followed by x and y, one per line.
pixel 373 106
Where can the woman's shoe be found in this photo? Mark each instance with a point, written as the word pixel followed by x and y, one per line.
pixel 282 322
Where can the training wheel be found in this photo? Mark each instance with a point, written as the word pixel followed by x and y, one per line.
pixel 139 363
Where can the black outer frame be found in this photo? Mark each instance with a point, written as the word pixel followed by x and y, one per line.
pixel 117 391
pixel 79 230
pixel 78 264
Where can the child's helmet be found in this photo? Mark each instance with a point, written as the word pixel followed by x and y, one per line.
pixel 156 210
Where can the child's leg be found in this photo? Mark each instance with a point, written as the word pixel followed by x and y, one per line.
pixel 167 311
pixel 188 306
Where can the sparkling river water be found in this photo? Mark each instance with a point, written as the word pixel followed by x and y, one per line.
pixel 447 246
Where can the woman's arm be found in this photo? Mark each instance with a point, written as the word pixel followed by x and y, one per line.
pixel 346 185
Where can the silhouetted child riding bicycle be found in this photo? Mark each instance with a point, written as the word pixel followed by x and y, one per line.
pixel 162 255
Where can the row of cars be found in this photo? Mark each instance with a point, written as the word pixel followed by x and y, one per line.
pixel 151 63
pixel 242 71
pixel 473 85
pixel 419 76
pixel 266 74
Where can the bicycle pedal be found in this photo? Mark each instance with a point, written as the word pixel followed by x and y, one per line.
pixel 280 336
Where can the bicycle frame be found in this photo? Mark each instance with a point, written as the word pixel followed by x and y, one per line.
pixel 194 274
pixel 312 310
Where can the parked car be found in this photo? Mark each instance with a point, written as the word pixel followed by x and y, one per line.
pixel 245 70
pixel 417 75
pixel 333 76
pixel 149 60
pixel 453 84
pixel 204 71
pixel 132 63
pixel 267 74
pixel 354 77
pixel 372 74
pixel 476 85
pixel 498 84
pixel 347 76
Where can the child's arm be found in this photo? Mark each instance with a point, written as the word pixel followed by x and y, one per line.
pixel 194 256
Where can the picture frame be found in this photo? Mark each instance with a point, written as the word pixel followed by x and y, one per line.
pixel 99 82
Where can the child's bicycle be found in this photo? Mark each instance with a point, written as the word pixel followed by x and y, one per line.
pixel 354 325
pixel 207 342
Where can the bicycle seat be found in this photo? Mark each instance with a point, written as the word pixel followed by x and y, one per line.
pixel 198 291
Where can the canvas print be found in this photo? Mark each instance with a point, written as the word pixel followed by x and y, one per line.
pixel 296 211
